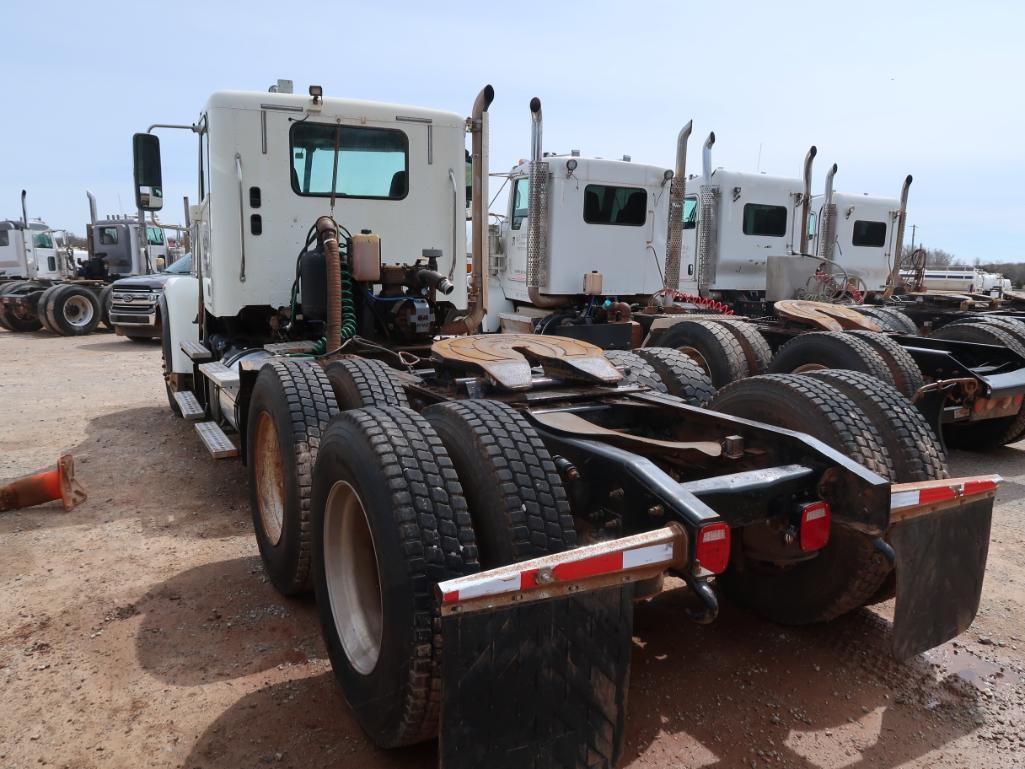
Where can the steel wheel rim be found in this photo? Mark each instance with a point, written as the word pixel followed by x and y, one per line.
pixel 697 357
pixel 270 479
pixel 78 311
pixel 353 578
pixel 805 368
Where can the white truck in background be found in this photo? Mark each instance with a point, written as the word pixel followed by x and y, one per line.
pixel 577 255
pixel 71 297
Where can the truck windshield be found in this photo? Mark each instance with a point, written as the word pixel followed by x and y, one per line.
pixel 870 234
pixel 372 162
pixel 42 240
pixel 181 267
pixel 154 236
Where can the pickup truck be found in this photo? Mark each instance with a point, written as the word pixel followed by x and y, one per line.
pixel 133 301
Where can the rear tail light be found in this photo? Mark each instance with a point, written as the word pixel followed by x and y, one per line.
pixel 713 549
pixel 815 526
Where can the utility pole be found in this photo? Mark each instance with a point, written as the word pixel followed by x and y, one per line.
pixel 914 227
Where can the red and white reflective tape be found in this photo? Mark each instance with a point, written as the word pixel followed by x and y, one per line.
pixel 605 559
pixel 907 495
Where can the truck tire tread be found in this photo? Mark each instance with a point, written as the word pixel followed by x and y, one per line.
pixel 681 375
pixel 418 505
pixel 515 495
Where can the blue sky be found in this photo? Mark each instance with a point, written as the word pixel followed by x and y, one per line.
pixel 883 88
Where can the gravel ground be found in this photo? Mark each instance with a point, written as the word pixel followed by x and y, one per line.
pixel 138 630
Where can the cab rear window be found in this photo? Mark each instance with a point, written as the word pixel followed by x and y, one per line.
pixel 765 220
pixel 604 204
pixel 870 234
pixel 371 162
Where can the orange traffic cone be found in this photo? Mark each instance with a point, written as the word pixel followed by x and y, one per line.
pixel 44 487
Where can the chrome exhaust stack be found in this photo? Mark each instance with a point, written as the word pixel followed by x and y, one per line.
pixel 92 206
pixel 24 209
pixel 902 215
pixel 706 157
pixel 537 217
pixel 677 188
pixel 827 224
pixel 809 159
pixel 477 299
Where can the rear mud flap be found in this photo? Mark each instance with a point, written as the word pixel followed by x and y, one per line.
pixel 537 686
pixel 941 561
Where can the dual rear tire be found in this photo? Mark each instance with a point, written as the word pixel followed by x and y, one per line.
pixel 374 504
pixel 865 420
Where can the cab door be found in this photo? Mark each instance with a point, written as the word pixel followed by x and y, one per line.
pixel 688 254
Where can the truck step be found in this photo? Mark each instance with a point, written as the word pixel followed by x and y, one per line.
pixel 197 351
pixel 188 405
pixel 217 443
pixel 219 374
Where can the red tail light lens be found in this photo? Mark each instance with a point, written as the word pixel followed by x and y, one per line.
pixel 713 549
pixel 815 526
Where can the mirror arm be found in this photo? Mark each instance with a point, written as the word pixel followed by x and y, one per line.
pixel 194 127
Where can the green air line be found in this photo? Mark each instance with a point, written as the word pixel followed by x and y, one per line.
pixel 348 304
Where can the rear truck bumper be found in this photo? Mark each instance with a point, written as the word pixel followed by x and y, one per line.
pixel 515 637
pixel 971 381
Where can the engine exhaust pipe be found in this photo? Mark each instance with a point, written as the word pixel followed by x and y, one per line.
pixel 537 217
pixel 674 237
pixel 92 207
pixel 24 209
pixel 902 215
pixel 827 225
pixel 477 301
pixel 706 157
pixel 809 159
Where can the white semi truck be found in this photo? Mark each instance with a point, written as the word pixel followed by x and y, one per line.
pixel 27 253
pixel 71 297
pixel 467 506
pixel 596 255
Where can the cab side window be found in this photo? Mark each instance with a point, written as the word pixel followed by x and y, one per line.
pixel 520 196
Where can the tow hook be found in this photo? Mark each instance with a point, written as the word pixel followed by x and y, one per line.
pixel 703 591
pixel 885 550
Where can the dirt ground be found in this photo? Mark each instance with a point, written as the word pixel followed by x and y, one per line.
pixel 138 630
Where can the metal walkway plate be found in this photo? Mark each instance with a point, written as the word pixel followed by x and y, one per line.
pixel 188 405
pixel 219 374
pixel 507 358
pixel 197 351
pixel 217 443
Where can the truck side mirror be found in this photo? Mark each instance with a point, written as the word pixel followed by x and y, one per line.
pixel 469 178
pixel 149 188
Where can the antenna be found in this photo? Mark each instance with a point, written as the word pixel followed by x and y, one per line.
pixel 758 165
